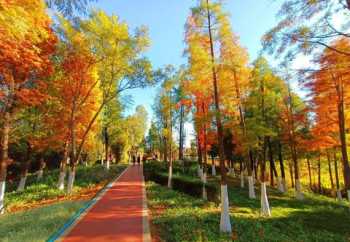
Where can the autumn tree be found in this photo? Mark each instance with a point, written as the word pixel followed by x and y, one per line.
pixel 25 52
pixel 202 37
pixel 329 86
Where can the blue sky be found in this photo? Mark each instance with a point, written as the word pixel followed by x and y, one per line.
pixel 165 19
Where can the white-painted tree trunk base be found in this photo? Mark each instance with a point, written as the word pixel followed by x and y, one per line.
pixel 40 174
pixel 2 196
pixel 242 180
pixel 22 184
pixel 251 187
pixel 107 164
pixel 265 207
pixel 280 185
pixel 299 194
pixel 225 223
pixel 204 189
pixel 61 179
pixel 70 184
pixel 170 176
pixel 339 195
pixel 213 170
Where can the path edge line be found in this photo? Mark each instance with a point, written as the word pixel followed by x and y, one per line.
pixel 80 214
pixel 145 218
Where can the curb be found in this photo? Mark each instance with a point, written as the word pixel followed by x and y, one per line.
pixel 145 221
pixel 68 226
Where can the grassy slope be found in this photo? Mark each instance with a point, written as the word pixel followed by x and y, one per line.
pixel 37 224
pixel 179 217
pixel 87 179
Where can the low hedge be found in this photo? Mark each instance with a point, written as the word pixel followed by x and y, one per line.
pixel 186 184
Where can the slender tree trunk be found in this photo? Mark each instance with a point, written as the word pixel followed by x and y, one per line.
pixel 339 195
pixel 283 187
pixel 291 174
pixel 63 165
pixel 40 172
pixel 71 177
pixel 330 171
pixel 205 165
pixel 250 176
pixel 4 158
pixel 319 175
pixel 265 207
pixel 213 167
pixel 200 158
pixel 273 171
pixel 342 134
pixel 225 223
pixel 181 141
pixel 309 170
pixel 24 172
pixel 170 176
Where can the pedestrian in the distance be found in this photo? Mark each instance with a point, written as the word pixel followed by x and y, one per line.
pixel 133 160
pixel 138 159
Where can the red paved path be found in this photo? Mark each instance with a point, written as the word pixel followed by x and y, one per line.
pixel 118 215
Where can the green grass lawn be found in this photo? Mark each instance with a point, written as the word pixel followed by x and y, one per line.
pixel 37 224
pixel 179 217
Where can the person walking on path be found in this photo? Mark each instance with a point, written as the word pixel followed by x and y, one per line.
pixel 138 159
pixel 133 160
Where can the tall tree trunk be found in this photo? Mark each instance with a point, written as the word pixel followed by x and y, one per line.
pixel 213 167
pixel 170 137
pixel 181 138
pixel 330 171
pixel 273 171
pixel 284 187
pixel 309 170
pixel 225 223
pixel 250 176
pixel 63 165
pixel 24 172
pixel 40 172
pixel 319 184
pixel 291 174
pixel 199 158
pixel 205 165
pixel 249 159
pixel 265 207
pixel 339 195
pixel 342 134
pixel 4 158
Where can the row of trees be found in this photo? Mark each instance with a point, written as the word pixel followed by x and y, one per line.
pixel 248 113
pixel 61 86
